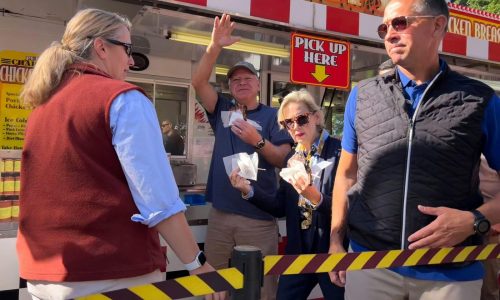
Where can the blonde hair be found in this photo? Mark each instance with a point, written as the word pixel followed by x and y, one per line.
pixel 75 45
pixel 304 97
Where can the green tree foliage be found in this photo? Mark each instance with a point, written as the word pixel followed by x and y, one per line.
pixel 486 5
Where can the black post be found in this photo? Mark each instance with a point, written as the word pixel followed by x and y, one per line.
pixel 248 259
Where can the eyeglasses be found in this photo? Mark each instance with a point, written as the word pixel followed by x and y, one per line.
pixel 164 125
pixel 127 46
pixel 300 120
pixel 399 24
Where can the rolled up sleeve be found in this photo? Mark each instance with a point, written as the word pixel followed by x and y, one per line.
pixel 138 143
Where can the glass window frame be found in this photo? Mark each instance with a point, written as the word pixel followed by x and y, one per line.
pixel 189 106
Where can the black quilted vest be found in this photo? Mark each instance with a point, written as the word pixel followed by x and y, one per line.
pixel 438 166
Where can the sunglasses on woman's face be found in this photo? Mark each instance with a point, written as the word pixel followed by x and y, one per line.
pixel 399 24
pixel 300 120
pixel 126 46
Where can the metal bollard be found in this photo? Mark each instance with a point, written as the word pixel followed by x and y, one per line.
pixel 248 259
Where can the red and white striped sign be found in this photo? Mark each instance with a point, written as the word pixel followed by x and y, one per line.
pixel 302 14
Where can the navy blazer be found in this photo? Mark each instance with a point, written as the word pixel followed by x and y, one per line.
pixel 315 239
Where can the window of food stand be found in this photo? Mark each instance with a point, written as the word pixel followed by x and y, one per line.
pixel 171 103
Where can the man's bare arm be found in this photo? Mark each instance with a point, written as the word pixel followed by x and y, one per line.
pixel 345 178
pixel 221 37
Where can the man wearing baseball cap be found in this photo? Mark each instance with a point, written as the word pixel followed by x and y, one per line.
pixel 233 220
pixel 242 65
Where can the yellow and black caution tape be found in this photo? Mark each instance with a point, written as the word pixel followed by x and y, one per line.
pixel 227 279
pixel 194 285
pixel 321 263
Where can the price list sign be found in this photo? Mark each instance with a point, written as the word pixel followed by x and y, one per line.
pixel 15 68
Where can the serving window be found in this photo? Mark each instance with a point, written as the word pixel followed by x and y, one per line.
pixel 171 105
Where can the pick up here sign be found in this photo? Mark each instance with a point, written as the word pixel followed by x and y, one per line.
pixel 319 61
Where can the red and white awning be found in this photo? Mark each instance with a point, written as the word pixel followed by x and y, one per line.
pixel 305 15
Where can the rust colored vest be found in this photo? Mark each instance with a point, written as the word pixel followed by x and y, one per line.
pixel 75 205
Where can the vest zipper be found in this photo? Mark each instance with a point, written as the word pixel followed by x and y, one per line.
pixel 411 128
pixel 407 177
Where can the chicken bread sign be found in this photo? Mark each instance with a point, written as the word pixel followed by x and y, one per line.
pixel 319 61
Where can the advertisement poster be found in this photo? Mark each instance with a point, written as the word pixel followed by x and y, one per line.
pixel 14 69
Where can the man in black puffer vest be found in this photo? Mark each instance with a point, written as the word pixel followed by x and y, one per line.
pixel 408 173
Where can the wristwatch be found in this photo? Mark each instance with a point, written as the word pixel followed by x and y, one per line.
pixel 481 224
pixel 260 144
pixel 198 261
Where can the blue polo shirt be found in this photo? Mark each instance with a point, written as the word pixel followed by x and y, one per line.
pixel 491 130
pixel 220 192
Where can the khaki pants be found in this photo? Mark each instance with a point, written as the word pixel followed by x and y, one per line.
pixel 226 230
pixel 490 289
pixel 383 284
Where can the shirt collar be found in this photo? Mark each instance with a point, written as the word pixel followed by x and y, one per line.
pixel 322 137
pixel 406 82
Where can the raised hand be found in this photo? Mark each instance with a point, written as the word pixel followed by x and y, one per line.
pixel 222 32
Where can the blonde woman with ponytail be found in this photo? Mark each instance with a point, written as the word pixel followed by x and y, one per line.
pixel 76 46
pixel 97 187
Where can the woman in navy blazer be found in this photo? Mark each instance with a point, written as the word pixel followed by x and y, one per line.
pixel 306 197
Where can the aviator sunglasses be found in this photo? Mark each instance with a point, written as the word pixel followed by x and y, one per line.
pixel 399 24
pixel 300 120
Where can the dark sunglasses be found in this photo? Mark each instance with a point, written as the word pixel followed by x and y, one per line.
pixel 127 46
pixel 300 120
pixel 399 24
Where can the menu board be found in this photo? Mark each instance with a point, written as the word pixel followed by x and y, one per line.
pixel 15 68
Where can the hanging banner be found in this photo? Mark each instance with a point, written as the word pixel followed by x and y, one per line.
pixel 463 20
pixel 473 23
pixel 14 70
pixel 373 7
pixel 319 61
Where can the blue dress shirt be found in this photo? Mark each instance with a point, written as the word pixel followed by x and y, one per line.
pixel 138 143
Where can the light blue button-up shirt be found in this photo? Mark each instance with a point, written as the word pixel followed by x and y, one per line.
pixel 138 143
